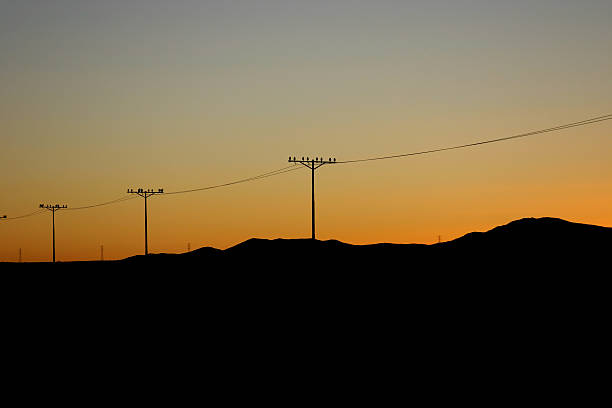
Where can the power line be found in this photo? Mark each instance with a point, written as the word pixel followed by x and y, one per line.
pixel 532 133
pixel 127 198
pixel 118 200
pixel 25 216
pixel 258 177
pixel 295 167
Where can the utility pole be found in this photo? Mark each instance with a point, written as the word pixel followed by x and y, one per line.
pixel 189 247
pixel 19 255
pixel 145 194
pixel 53 209
pixel 101 252
pixel 312 164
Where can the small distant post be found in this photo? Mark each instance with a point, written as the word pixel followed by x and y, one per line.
pixel 19 255
pixel 189 247
pixel 53 209
pixel 145 194
pixel 101 252
pixel 312 164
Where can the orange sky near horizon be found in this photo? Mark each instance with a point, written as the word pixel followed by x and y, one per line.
pixel 98 98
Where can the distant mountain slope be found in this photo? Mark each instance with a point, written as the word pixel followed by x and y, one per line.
pixel 536 232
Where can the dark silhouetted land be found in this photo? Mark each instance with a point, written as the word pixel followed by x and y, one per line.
pixel 526 244
pixel 526 295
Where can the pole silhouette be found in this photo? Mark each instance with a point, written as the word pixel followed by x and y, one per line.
pixel 53 209
pixel 145 194
pixel 312 164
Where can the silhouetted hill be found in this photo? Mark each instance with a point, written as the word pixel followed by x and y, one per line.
pixel 533 234
pixel 531 242
pixel 523 244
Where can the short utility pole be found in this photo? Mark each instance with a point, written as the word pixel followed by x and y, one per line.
pixel 145 194
pixel 53 209
pixel 312 164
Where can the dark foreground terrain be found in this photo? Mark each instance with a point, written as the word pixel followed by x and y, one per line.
pixel 519 308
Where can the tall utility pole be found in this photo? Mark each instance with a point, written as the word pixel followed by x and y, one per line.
pixel 312 164
pixel 145 194
pixel 53 209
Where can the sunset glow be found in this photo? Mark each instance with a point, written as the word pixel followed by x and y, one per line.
pixel 100 97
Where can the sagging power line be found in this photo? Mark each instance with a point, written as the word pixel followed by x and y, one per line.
pixel 26 215
pixel 483 142
pixel 118 200
pixel 258 177
pixel 312 164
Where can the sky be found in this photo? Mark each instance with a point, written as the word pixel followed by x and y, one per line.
pixel 100 96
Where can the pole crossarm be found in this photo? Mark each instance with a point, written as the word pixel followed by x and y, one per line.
pixel 145 193
pixel 53 207
pixel 313 163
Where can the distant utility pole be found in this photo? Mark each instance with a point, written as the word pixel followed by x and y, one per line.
pixel 145 194
pixel 101 252
pixel 189 247
pixel 312 164
pixel 53 209
pixel 19 255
